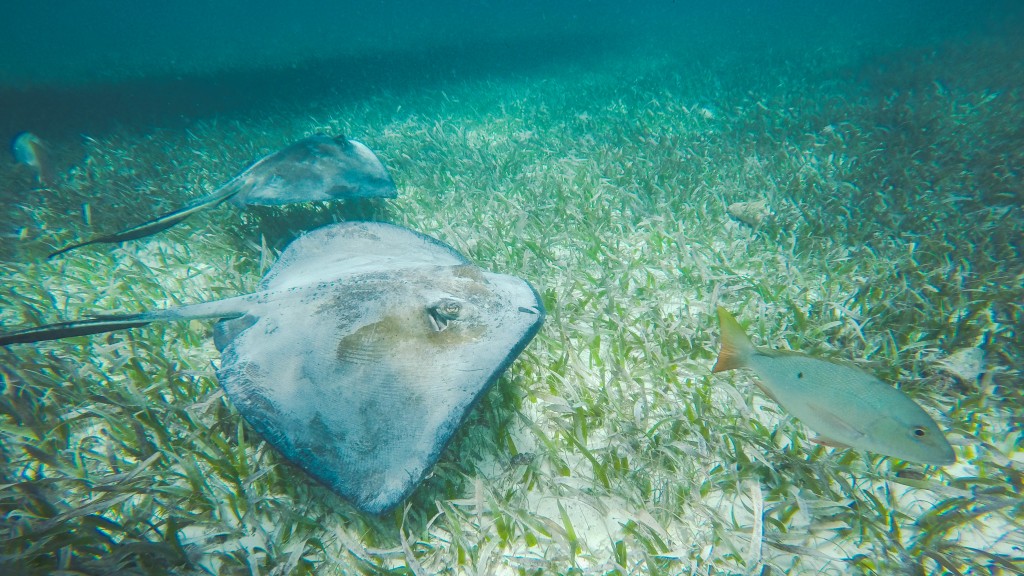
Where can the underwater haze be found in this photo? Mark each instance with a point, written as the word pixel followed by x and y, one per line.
pixel 74 66
pixel 845 178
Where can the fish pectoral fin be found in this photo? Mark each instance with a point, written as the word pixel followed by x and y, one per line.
pixel 838 425
pixel 829 442
pixel 767 391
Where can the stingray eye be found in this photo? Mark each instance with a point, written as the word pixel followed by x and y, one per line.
pixel 918 432
pixel 444 313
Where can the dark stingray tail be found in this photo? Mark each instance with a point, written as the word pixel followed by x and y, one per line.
pixel 159 223
pixel 96 325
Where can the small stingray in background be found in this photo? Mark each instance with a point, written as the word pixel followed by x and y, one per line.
pixel 316 168
pixel 360 353
pixel 846 406
pixel 30 150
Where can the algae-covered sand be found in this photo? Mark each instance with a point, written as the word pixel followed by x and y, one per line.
pixel 889 236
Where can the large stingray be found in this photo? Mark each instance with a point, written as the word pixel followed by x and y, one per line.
pixel 316 168
pixel 360 353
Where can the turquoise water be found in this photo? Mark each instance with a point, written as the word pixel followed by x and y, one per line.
pixel 846 180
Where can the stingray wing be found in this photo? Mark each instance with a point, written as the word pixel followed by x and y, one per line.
pixel 363 383
pixel 341 250
pixel 317 168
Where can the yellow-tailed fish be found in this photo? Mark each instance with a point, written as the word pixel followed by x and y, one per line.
pixel 30 150
pixel 844 405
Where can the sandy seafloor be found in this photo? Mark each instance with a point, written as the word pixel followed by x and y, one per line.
pixel 883 182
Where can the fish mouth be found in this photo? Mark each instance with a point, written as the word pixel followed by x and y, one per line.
pixel 948 457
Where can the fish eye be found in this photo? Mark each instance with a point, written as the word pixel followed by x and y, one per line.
pixel 919 431
pixel 444 313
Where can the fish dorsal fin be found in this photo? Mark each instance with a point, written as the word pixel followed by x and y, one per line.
pixel 736 346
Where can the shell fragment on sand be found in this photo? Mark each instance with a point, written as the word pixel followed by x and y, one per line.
pixel 968 364
pixel 750 213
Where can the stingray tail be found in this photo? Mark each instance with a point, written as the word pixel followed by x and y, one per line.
pixel 228 308
pixel 159 223
pixel 95 325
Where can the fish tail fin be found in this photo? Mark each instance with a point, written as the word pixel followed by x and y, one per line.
pixel 96 325
pixel 736 346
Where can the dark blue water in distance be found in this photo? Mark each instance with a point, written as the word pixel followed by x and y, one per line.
pixel 70 67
